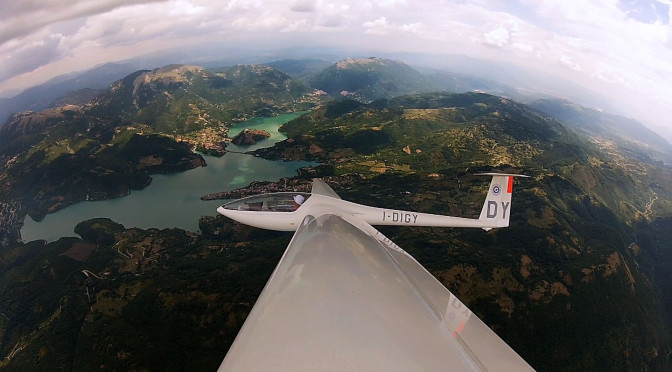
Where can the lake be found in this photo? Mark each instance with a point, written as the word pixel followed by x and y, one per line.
pixel 173 200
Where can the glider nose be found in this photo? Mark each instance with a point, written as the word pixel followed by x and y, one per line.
pixel 226 212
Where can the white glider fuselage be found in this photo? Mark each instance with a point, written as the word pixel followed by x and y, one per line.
pixel 275 211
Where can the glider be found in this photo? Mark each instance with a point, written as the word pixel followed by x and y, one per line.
pixel 344 297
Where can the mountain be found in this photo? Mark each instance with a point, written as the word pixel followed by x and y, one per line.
pixel 78 97
pixel 303 69
pixel 528 82
pixel 367 79
pixel 577 282
pixel 183 98
pixel 627 134
pixel 41 96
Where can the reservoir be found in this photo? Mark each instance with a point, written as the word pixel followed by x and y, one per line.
pixel 173 200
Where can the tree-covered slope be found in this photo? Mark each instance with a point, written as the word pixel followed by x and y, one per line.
pixel 614 133
pixel 130 299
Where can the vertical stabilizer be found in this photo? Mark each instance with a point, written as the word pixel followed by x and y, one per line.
pixel 497 207
pixel 320 187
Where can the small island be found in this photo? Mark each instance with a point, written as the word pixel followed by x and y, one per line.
pixel 250 137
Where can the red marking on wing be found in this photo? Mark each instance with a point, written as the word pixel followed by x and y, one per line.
pixel 459 329
pixel 509 189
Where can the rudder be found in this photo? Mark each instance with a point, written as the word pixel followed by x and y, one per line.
pixel 497 207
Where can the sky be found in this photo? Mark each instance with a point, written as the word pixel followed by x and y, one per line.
pixel 619 49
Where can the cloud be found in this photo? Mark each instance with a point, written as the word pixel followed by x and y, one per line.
pixel 382 27
pixel 333 20
pixel 377 27
pixel 302 25
pixel 390 3
pixel 103 35
pixel 411 27
pixel 29 57
pixel 262 22
pixel 244 5
pixel 498 37
pixel 569 62
pixel 303 6
pixel 21 18
pixel 523 47
pixel 333 16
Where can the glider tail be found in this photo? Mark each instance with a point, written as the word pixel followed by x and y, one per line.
pixel 497 207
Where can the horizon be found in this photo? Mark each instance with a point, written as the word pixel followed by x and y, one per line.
pixel 619 50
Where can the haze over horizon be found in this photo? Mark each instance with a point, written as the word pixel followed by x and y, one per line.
pixel 621 50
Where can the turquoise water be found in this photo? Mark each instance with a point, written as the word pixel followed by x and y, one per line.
pixel 173 200
pixel 270 125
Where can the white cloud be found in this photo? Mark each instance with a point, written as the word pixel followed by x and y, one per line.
pixel 302 25
pixel 390 3
pixel 185 8
pixel 498 37
pixel 262 22
pixel 377 27
pixel 382 27
pixel 273 22
pixel 411 27
pixel 569 62
pixel 244 5
pixel 523 47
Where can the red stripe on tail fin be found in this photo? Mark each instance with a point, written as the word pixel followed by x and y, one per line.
pixel 509 188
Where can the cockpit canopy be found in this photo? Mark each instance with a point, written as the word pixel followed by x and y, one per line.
pixel 275 202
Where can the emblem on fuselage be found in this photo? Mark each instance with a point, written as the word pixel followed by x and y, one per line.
pixel 496 189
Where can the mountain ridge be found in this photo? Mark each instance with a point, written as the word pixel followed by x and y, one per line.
pixel 368 79
pixel 41 96
pixel 628 133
